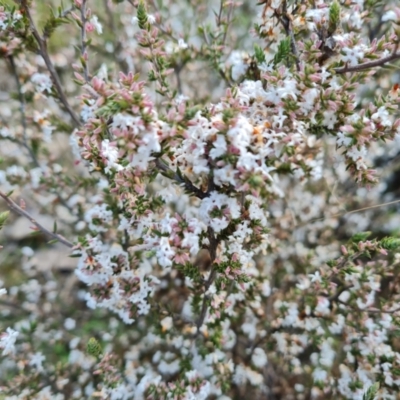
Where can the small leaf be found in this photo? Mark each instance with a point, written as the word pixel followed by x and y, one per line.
pixel 371 392
pixel 360 237
pixel 259 54
pixel 94 348
pixel 334 17
pixel 390 243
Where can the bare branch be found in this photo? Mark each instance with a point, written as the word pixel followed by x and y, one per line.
pixel 368 65
pixel 17 209
pixel 213 255
pixel 346 213
pixel 84 41
pixel 21 98
pixel 44 53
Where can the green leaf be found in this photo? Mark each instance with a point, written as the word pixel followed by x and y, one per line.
pixel 77 255
pixel 360 237
pixel 142 16
pixel 371 392
pixel 3 217
pixel 94 348
pixel 259 54
pixel 334 18
pixel 283 51
pixel 390 243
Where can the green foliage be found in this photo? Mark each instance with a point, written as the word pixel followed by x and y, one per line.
pixel 390 243
pixel 371 392
pixel 142 16
pixel 360 237
pixel 190 271
pixel 3 217
pixel 53 22
pixel 334 18
pixel 94 348
pixel 259 54
pixel 283 51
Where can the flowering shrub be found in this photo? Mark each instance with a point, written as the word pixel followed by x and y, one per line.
pixel 217 175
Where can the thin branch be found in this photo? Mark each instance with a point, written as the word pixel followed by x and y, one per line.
pixel 368 65
pixel 84 41
pixel 369 310
pixel 203 313
pixel 347 213
pixel 67 11
pixel 17 209
pixel 22 109
pixel 286 22
pixel 45 55
pixel 213 255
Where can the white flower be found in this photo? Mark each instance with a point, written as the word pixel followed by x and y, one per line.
pixel 97 216
pixel 344 297
pixel 279 119
pixel 309 96
pixel 7 341
pixel 219 147
pixel 329 119
pixel 322 306
pixel 165 253
pixel 88 110
pixel 383 116
pixel 166 323
pixel 259 358
pixel 352 55
pixel 343 140
pixel 5 132
pixel 304 284
pixel 110 152
pixel 97 25
pixel 389 16
pixel 316 277
pixel 182 44
pixel 69 324
pixel 319 375
pixel 42 82
pixel 37 360
pixel 151 19
pixel 238 65
pixel 266 288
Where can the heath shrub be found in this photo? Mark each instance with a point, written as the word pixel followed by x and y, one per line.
pixel 223 177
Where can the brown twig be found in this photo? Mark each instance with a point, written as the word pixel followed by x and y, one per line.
pixel 24 142
pixel 368 310
pixel 84 41
pixel 286 22
pixel 213 255
pixel 16 208
pixel 45 55
pixel 368 65
pixel 346 213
